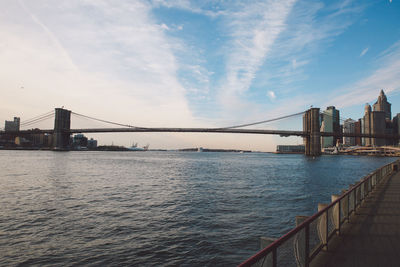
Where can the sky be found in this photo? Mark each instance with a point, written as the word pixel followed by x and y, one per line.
pixel 162 63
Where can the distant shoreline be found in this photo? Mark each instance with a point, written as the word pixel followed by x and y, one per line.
pixel 124 149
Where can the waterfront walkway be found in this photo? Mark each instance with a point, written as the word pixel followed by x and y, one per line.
pixel 372 237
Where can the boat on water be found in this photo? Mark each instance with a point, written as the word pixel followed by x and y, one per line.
pixel 135 147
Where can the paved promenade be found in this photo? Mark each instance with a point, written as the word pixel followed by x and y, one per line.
pixel 372 237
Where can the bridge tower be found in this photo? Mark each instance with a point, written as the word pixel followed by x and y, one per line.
pixel 311 126
pixel 62 126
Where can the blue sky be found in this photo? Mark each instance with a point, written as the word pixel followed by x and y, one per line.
pixel 197 63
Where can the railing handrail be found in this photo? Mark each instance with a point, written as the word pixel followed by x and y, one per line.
pixel 264 252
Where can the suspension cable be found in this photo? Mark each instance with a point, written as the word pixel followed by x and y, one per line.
pixel 37 120
pixel 109 122
pixel 261 122
pixel 37 117
pixel 326 114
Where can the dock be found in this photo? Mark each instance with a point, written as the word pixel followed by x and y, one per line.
pixel 372 235
pixel 360 227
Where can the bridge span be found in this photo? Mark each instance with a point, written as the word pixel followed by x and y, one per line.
pixel 311 130
pixel 282 133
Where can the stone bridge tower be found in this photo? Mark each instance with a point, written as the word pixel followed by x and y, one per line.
pixel 311 125
pixel 62 126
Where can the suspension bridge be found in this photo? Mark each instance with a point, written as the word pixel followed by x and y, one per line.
pixel 62 130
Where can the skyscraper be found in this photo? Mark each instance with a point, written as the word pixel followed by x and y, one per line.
pixel 383 105
pixel 367 125
pixel 330 124
pixel 377 121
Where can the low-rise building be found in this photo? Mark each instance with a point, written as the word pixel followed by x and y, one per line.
pixel 290 149
pixel 79 141
pixel 92 144
pixel 349 126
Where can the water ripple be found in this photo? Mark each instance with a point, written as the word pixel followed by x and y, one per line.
pixel 157 208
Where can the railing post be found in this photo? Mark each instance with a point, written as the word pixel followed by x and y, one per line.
pixel 274 258
pixel 327 228
pixel 369 183
pixel 322 225
pixel 307 246
pixel 340 217
pixel 356 193
pixel 336 212
pixel 361 192
pixel 348 207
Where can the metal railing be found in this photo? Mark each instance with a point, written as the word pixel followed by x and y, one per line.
pixel 302 244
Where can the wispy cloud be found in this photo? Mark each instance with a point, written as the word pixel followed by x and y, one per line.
pixel 49 33
pixel 269 43
pixel 124 65
pixel 128 61
pixel 364 52
pixel 271 95
pixel 307 34
pixel 386 76
pixel 206 8
pixel 254 29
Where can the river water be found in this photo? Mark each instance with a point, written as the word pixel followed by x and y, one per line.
pixel 158 208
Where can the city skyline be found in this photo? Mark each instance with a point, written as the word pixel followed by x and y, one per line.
pixel 197 64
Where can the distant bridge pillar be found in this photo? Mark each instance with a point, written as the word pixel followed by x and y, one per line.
pixel 62 126
pixel 312 127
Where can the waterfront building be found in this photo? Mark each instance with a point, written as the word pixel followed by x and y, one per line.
pixel 349 126
pixel 92 144
pixel 47 140
pixel 290 149
pixel 363 139
pixel 22 142
pixel 383 105
pixel 339 140
pixel 37 140
pixel 12 126
pixel 330 123
pixel 79 140
pixel 378 121
pixel 40 140
pixel 379 127
pixel 374 123
pixel 367 124
pixel 357 130
pixel 396 128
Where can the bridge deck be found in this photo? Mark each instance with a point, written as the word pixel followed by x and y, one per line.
pixel 372 238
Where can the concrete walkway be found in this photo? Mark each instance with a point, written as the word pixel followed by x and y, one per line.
pixel 372 237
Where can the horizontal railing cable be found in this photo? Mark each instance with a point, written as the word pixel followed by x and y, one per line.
pixel 352 198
